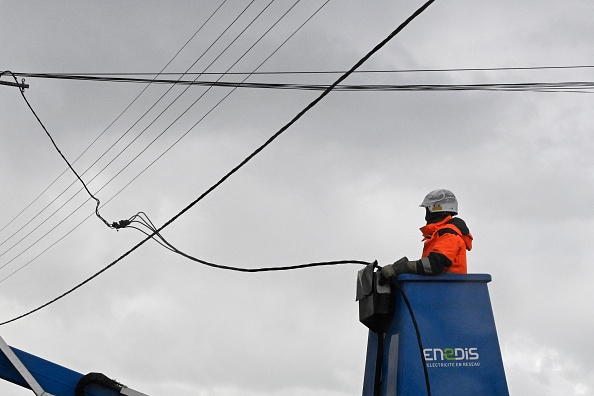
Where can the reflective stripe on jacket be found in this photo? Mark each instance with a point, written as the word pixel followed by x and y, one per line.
pixel 451 238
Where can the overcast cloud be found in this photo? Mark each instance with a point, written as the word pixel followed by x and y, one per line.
pixel 344 182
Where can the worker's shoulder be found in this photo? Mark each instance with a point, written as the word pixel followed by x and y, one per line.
pixel 459 224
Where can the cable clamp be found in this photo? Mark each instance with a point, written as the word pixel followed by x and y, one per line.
pixel 120 224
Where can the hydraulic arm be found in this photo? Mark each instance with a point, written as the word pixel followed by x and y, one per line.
pixel 45 378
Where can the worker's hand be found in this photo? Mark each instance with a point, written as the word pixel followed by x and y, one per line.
pixel 399 267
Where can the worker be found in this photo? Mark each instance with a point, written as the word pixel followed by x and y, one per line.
pixel 446 240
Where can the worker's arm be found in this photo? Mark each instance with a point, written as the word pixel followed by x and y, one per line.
pixel 436 263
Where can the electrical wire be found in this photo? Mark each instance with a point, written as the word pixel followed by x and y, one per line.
pixel 104 131
pixel 143 220
pixel 93 76
pixel 239 166
pixel 116 225
pixel 228 94
pixel 575 87
pixel 172 102
pixel 191 105
pixel 417 333
pixel 22 91
pixel 176 142
pixel 564 86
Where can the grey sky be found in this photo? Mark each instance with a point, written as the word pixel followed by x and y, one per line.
pixel 343 183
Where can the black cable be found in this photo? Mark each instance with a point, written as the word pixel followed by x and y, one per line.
pixel 379 359
pixel 170 104
pixel 226 96
pixel 245 161
pixel 418 334
pixel 92 76
pixel 176 142
pixel 55 242
pixel 62 155
pixel 540 87
pixel 576 87
pixel 564 86
pixel 118 224
pixel 190 106
pixel 47 248
pixel 122 222
pixel 270 269
pixel 104 131
pixel 154 232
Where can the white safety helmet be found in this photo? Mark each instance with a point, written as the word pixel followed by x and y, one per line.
pixel 440 201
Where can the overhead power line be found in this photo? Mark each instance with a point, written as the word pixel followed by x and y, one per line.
pixel 118 225
pixel 108 127
pixel 122 223
pixel 67 76
pixel 114 225
pixel 563 86
pixel 143 221
pixel 241 164
pixel 62 155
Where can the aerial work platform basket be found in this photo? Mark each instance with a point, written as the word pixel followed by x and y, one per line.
pixel 458 339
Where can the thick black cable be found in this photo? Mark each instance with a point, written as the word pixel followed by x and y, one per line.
pixel 418 334
pixel 563 86
pixel 300 114
pixel 105 130
pixel 170 104
pixel 58 240
pixel 48 247
pixel 117 225
pixel 234 170
pixel 379 358
pixel 189 107
pixel 120 224
pixel 573 87
pixel 154 232
pixel 270 269
pixel 62 155
pixel 228 94
pixel 177 141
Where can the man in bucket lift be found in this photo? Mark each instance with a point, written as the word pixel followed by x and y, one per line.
pixel 446 240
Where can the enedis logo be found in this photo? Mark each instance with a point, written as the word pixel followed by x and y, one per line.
pixel 452 357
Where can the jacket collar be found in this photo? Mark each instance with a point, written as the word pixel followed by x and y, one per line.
pixel 429 229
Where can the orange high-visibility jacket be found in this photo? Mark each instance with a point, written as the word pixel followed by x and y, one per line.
pixel 451 238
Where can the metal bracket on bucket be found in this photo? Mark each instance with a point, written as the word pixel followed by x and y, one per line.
pixel 376 306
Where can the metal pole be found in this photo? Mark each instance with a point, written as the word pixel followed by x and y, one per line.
pixel 14 84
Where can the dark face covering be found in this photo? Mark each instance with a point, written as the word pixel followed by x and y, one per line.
pixel 435 216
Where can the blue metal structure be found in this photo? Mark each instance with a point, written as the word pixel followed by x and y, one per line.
pixel 45 378
pixel 459 340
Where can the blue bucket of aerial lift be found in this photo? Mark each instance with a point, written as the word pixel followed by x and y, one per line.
pixel 459 340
